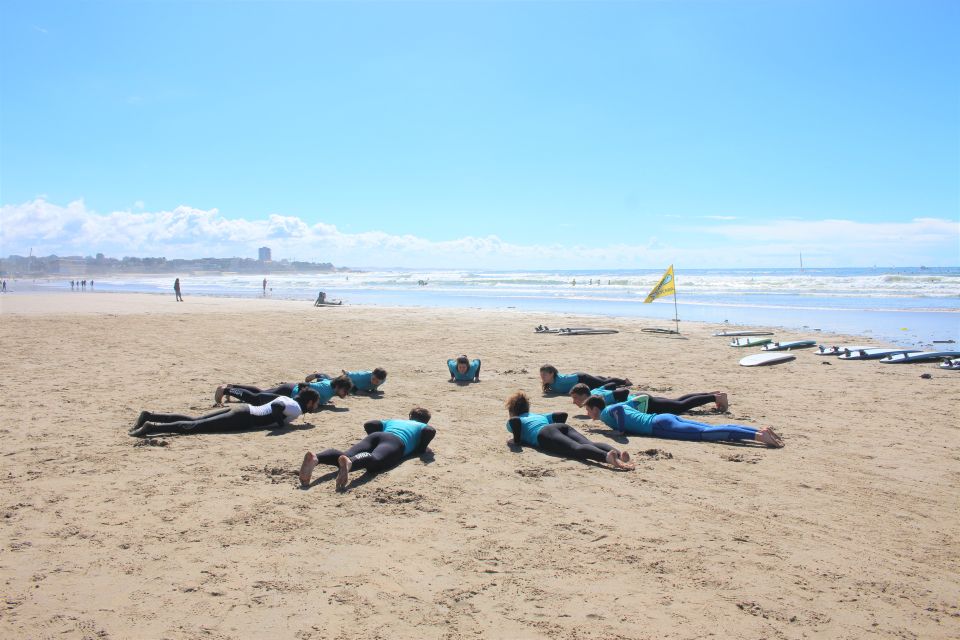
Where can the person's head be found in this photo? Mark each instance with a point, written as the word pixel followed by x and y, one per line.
pixel 548 375
pixel 463 364
pixel 518 404
pixel 308 399
pixel 580 393
pixel 593 406
pixel 341 385
pixel 419 414
pixel 378 376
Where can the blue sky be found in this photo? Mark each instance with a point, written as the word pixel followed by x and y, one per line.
pixel 496 134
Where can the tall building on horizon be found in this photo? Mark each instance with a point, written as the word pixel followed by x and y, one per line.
pixel 264 254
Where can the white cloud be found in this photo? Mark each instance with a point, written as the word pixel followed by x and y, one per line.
pixel 188 232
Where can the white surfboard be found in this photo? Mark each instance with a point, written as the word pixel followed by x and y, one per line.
pixel 761 359
pixel 873 353
pixel 824 350
pixel 749 342
pixel 787 346
pixel 919 356
pixel 951 363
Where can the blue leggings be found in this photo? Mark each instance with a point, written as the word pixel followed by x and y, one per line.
pixel 672 427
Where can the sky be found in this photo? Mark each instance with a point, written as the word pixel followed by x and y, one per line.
pixel 512 134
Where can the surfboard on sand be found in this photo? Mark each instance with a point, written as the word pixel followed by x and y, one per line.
pixel 749 342
pixel 872 354
pixel 787 346
pixel 824 350
pixel 585 332
pixel 951 363
pixel 543 329
pixel 656 330
pixel 328 304
pixel 919 356
pixel 762 359
pixel 731 334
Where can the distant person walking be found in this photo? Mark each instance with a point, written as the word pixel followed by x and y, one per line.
pixel 176 289
pixel 71 285
pixel 264 287
pixel 4 286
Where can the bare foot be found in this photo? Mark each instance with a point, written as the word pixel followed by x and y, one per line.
pixel 218 396
pixel 721 400
pixel 306 469
pixel 343 476
pixel 769 437
pixel 613 459
pixel 624 456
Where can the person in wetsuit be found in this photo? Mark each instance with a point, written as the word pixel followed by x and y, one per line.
pixel 555 382
pixel 463 369
pixel 547 431
pixel 645 403
pixel 387 443
pixel 278 413
pixel 363 381
pixel 626 420
pixel 327 389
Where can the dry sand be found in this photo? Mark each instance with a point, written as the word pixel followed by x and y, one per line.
pixel 848 532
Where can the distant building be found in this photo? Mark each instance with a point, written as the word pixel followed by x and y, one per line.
pixel 264 254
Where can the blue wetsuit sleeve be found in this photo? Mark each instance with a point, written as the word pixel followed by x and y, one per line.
pixel 372 426
pixel 516 425
pixel 619 417
pixel 452 366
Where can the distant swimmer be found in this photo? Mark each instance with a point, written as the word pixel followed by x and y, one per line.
pixel 626 420
pixel 647 403
pixel 363 381
pixel 325 389
pixel 547 431
pixel 278 413
pixel 555 382
pixel 387 443
pixel 463 369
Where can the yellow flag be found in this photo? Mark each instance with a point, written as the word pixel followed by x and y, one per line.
pixel 664 287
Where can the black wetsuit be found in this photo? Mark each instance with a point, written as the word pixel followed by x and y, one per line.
pixel 257 396
pixel 377 451
pixel 227 419
pixel 564 440
pixel 596 381
pixel 676 406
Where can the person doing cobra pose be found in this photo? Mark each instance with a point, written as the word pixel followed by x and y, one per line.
pixel 278 413
pixel 326 389
pixel 647 403
pixel 556 382
pixel 626 420
pixel 363 381
pixel 547 431
pixel 463 369
pixel 387 443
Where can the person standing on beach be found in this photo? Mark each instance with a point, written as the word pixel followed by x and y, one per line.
pixel 264 287
pixel 647 403
pixel 547 431
pixel 626 420
pixel 176 289
pixel 387 443
pixel 276 414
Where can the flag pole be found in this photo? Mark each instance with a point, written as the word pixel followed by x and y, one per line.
pixel 676 314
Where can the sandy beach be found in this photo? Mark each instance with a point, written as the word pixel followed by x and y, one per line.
pixel 850 531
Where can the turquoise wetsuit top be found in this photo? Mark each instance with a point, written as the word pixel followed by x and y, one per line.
pixel 469 375
pixel 362 380
pixel 563 382
pixel 406 430
pixel 622 418
pixel 531 424
pixel 637 402
pixel 323 387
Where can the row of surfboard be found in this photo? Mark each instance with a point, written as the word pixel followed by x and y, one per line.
pixel 574 331
pixel 950 359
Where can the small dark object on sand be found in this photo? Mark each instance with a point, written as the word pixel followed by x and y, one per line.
pixel 925 376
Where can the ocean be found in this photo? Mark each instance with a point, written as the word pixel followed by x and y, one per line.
pixel 908 307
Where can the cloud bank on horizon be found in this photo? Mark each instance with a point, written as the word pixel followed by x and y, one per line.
pixel 723 242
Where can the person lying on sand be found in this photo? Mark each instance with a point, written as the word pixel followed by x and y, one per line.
pixel 387 443
pixel 548 432
pixel 556 382
pixel 463 369
pixel 647 403
pixel 326 389
pixel 363 381
pixel 277 413
pixel 624 419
